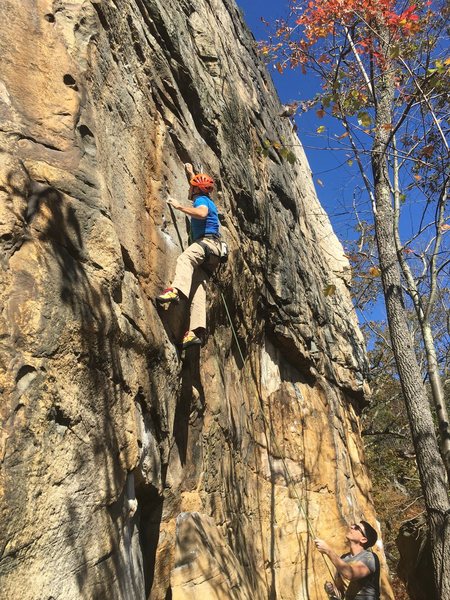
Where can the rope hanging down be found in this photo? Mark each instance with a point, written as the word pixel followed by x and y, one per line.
pixel 288 478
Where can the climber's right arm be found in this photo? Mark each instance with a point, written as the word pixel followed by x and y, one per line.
pixel 199 213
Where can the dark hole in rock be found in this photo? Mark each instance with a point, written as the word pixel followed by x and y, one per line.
pixel 85 131
pixel 69 80
pixel 57 415
pixel 50 18
pixel 139 52
pixel 117 294
pixel 24 377
pixel 88 140
pixel 150 513
pixel 128 261
pixel 25 370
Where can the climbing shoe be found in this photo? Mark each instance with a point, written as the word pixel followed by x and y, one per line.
pixel 190 339
pixel 168 295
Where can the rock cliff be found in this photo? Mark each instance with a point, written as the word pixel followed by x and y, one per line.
pixel 129 471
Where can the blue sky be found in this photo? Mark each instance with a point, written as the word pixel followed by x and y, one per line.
pixel 335 181
pixel 338 184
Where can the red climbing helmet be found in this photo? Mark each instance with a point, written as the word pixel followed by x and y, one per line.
pixel 203 181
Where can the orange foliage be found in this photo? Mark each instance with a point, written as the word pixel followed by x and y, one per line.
pixel 320 19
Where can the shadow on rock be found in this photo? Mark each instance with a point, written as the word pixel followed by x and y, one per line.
pixel 86 397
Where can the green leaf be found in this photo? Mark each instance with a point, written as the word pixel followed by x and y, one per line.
pixel 395 51
pixel 321 129
pixel 291 158
pixel 350 162
pixel 329 289
pixel 288 155
pixel 364 119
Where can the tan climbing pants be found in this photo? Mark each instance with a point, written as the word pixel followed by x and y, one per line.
pixel 190 279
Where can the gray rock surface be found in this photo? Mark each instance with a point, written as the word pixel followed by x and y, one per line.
pixel 109 437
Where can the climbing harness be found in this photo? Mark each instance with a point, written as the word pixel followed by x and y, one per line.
pixel 211 258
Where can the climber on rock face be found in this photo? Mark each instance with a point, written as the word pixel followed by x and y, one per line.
pixel 359 566
pixel 204 251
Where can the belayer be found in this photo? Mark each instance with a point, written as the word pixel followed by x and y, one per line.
pixel 359 566
pixel 201 257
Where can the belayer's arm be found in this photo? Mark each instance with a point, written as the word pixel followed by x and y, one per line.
pixel 350 571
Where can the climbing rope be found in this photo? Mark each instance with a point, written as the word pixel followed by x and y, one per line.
pixel 268 425
pixel 172 214
pixel 288 478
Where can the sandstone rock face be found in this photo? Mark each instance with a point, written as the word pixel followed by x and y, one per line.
pixel 129 471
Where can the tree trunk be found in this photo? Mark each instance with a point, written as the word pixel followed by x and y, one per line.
pixel 430 463
pixel 437 389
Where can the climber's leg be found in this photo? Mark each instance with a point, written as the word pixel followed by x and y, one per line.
pixel 197 322
pixel 188 260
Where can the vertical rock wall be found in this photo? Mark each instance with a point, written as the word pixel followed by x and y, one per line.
pixel 127 470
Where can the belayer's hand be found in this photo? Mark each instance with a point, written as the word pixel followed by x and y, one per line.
pixel 331 591
pixel 322 546
pixel 329 588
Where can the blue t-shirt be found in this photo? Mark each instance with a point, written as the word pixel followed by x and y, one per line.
pixel 210 225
